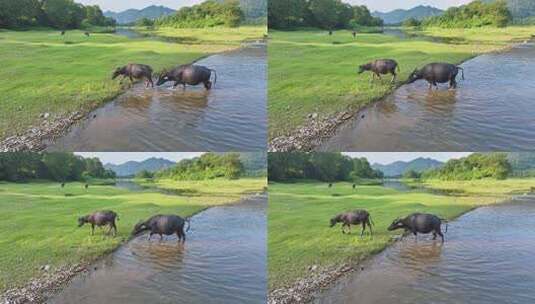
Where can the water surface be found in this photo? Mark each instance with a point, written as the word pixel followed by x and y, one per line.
pixel 487 258
pixel 222 261
pixel 230 117
pixel 492 110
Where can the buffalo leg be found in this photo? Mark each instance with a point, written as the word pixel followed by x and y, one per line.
pixel 393 77
pixel 161 237
pixel 369 226
pixel 179 235
pixel 441 235
pixel 114 229
pixel 343 226
pixel 131 80
pixel 92 229
pixel 434 235
pixel 207 85
pixel 363 228
pixel 150 81
pixel 150 235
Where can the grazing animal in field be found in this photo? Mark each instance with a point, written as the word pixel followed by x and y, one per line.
pixel 86 34
pixel 354 186
pixel 435 73
pixel 62 33
pixel 86 186
pixel 420 223
pixel 330 33
pixel 354 33
pixel 380 66
pixel 62 185
pixel 188 74
pixel 163 224
pixel 135 71
pixel 355 217
pixel 330 185
pixel 99 219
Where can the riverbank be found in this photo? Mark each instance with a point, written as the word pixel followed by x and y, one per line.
pixel 301 119
pixel 57 80
pixel 43 248
pixel 306 255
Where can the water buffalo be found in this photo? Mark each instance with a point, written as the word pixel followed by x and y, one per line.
pixel 188 74
pixel 437 73
pixel 354 34
pixel 163 224
pixel 100 218
pixel 62 185
pixel 87 34
pixel 420 223
pixel 62 33
pixel 380 66
pixel 330 33
pixel 330 185
pixel 355 217
pixel 86 186
pixel 354 186
pixel 135 70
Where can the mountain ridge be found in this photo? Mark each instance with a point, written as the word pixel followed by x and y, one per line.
pixel 397 168
pixel 130 168
pixel 397 16
pixel 132 15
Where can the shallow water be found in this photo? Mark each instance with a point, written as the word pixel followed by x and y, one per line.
pixel 230 117
pixel 487 258
pixel 222 261
pixel 492 110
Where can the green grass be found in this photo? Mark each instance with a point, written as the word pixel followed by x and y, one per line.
pixel 44 72
pixel 39 220
pixel 312 72
pixel 298 220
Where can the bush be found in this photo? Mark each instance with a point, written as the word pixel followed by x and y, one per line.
pixel 411 22
pixel 207 14
pixel 474 14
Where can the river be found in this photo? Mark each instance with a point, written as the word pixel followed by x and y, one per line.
pixel 222 261
pixel 230 117
pixel 491 110
pixel 487 258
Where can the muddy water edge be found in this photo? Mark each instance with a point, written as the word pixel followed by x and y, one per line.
pixel 487 258
pixel 222 261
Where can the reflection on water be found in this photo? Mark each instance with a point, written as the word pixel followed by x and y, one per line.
pixel 230 117
pixel 222 261
pixel 492 110
pixel 487 258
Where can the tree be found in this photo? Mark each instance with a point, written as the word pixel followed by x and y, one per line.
pixel 324 13
pixel 411 22
pixel 63 14
pixel 17 13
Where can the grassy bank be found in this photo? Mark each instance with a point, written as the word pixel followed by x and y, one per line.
pixel 298 220
pixel 222 35
pixel 49 73
pixel 312 72
pixel 39 220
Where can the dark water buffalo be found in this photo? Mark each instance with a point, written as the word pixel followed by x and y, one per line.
pixel 355 217
pixel 62 185
pixel 86 186
pixel 163 224
pixel 420 223
pixel 86 33
pixel 190 74
pixel 330 33
pixel 135 71
pixel 62 33
pixel 354 34
pixel 330 185
pixel 354 186
pixel 380 66
pixel 437 73
pixel 100 218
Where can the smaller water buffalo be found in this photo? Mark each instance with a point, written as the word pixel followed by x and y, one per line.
pixel 420 223
pixel 380 66
pixel 355 217
pixel 99 219
pixel 163 224
pixel 354 186
pixel 330 33
pixel 190 74
pixel 330 185
pixel 86 34
pixel 135 71
pixel 437 73
pixel 354 33
pixel 62 185
pixel 62 33
pixel 86 186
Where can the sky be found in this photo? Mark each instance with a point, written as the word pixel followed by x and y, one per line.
pixel 385 158
pixel 121 5
pixel 118 158
pixel 373 5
